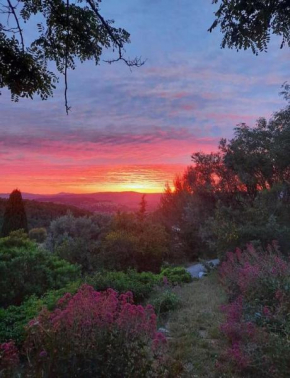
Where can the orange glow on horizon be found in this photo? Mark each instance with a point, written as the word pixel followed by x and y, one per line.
pixel 138 178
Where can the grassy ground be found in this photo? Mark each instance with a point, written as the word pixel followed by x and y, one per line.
pixel 194 328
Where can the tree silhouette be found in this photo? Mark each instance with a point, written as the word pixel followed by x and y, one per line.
pixel 142 208
pixel 15 215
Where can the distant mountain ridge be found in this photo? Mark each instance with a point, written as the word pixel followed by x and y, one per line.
pixel 108 202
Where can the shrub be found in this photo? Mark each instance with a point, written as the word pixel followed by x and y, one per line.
pixel 134 244
pixel 77 240
pixel 80 251
pixel 165 301
pixel 25 270
pixel 95 334
pixel 14 318
pixel 257 318
pixel 119 251
pixel 176 275
pixel 140 284
pixel 38 234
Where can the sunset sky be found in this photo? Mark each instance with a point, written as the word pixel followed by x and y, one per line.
pixel 136 130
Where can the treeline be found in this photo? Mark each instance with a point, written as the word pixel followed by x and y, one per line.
pixel 40 214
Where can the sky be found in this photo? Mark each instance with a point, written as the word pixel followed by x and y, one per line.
pixel 137 130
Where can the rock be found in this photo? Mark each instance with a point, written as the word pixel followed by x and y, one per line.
pixel 194 270
pixel 203 333
pixel 164 331
pixel 214 262
pixel 199 270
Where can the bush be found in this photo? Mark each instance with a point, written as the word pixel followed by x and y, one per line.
pixel 165 301
pixel 77 240
pixel 38 234
pixel 25 270
pixel 257 318
pixel 14 318
pixel 176 276
pixel 95 334
pixel 140 284
pixel 134 244
pixel 81 252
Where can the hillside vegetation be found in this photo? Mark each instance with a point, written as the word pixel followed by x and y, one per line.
pixel 107 295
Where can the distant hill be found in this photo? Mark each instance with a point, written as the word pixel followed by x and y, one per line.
pixel 108 202
pixel 40 214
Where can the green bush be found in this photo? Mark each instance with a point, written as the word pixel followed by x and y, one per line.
pixel 176 276
pixel 14 319
pixel 38 234
pixel 165 301
pixel 134 244
pixel 140 284
pixel 26 269
pixel 77 240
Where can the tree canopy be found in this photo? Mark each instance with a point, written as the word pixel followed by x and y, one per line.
pixel 249 23
pixel 67 31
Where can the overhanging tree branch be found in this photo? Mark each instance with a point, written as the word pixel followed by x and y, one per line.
pixel 137 62
pixel 67 108
pixel 72 30
pixel 12 10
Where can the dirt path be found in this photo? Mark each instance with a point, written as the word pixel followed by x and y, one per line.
pixel 194 328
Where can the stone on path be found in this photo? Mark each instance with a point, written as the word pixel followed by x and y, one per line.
pixel 199 270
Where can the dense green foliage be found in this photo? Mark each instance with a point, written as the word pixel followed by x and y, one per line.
pixel 176 275
pixel 26 269
pixel 14 215
pixel 141 285
pixel 13 319
pixel 131 243
pixel 165 301
pixel 249 23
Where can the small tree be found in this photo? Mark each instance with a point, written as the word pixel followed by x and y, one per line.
pixel 142 209
pixel 15 215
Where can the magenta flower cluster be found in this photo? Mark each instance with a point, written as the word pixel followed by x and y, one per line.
pixel 9 358
pixel 100 328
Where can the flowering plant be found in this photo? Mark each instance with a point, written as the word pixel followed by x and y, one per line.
pixel 257 321
pixel 9 359
pixel 93 334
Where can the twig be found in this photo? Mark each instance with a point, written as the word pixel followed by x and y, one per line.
pixel 12 8
pixel 137 62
